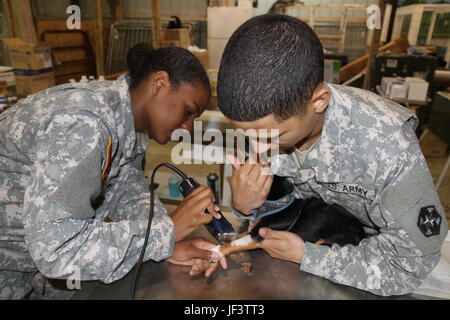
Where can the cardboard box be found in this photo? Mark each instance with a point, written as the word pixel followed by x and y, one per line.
pixel 432 146
pixel 27 56
pixel 175 37
pixel 29 84
pixel 394 88
pixel 417 88
pixel 7 79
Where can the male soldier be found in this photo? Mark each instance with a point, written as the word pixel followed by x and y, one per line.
pixel 344 145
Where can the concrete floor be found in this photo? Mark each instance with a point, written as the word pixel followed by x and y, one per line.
pixel 436 165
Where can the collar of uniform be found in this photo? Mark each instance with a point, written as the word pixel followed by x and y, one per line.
pixel 324 157
pixel 322 160
pixel 131 142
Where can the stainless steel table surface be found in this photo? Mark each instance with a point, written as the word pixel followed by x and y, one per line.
pixel 269 279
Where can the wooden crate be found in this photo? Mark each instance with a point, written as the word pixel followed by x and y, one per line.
pixel 176 37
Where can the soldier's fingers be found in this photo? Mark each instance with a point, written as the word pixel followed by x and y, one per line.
pixel 255 172
pixel 248 166
pixel 268 184
pixel 198 267
pixel 212 210
pixel 261 181
pixel 206 255
pixel 223 263
pixel 205 192
pixel 234 161
pixel 205 202
pixel 197 191
pixel 212 268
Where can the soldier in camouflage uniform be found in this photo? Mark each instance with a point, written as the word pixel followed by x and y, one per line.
pixel 74 201
pixel 344 145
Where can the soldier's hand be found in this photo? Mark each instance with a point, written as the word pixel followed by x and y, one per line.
pixel 195 252
pixel 282 245
pixel 250 185
pixel 191 212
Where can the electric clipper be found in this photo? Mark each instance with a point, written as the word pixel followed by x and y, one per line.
pixel 221 229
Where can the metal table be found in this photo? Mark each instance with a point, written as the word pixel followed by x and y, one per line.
pixel 269 279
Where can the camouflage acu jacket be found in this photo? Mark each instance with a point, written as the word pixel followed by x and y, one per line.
pixel 368 160
pixel 69 158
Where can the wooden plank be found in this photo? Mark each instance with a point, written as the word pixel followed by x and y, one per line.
pixel 353 68
pixel 183 17
pixel 332 19
pixel 331 6
pixel 119 11
pixel 23 20
pixel 9 18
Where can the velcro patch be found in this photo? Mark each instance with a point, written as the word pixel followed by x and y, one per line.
pixel 429 221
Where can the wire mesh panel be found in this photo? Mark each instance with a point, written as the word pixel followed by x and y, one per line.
pixel 355 40
pixel 405 26
pixel 442 26
pixel 123 36
pixel 425 24
pixel 341 27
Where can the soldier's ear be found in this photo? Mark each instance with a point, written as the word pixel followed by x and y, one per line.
pixel 159 82
pixel 320 99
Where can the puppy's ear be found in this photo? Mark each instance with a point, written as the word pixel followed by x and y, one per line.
pixel 280 187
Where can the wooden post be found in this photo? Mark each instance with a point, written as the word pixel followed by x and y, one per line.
pixel 99 47
pixel 9 18
pixel 156 6
pixel 119 10
pixel 374 45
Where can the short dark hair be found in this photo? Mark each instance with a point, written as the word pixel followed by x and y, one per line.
pixel 181 65
pixel 271 65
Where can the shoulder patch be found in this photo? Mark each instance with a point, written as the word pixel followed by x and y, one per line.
pixel 429 221
pixel 414 203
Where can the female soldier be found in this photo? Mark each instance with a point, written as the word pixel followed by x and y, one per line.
pixel 74 201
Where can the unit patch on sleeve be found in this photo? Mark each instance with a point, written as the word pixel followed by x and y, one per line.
pixel 429 221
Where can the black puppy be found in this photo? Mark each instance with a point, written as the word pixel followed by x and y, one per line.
pixel 311 219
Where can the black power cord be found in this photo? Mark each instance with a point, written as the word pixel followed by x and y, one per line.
pixel 150 218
